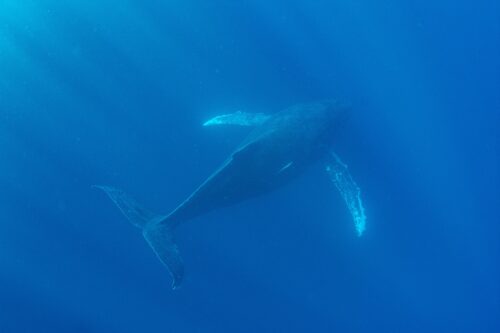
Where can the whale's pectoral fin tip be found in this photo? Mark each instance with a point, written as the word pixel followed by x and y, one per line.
pixel 350 191
pixel 238 118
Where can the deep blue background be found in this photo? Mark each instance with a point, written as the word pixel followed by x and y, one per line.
pixel 114 92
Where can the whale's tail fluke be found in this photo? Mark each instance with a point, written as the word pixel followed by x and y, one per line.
pixel 155 229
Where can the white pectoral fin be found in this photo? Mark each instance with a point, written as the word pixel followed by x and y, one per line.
pixel 238 118
pixel 339 174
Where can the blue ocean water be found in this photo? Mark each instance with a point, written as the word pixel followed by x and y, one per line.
pixel 115 92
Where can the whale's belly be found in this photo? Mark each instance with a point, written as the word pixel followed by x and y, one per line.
pixel 253 171
pixel 272 155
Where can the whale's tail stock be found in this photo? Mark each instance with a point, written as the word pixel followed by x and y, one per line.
pixel 156 229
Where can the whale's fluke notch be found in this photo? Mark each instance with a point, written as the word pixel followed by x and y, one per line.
pixel 155 229
pixel 239 118
pixel 349 190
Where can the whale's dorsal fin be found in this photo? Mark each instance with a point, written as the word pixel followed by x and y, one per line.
pixel 239 118
pixel 340 176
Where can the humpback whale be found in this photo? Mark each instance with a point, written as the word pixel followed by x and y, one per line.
pixel 280 147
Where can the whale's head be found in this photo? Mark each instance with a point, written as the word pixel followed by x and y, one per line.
pixel 326 117
pixel 309 127
pixel 334 112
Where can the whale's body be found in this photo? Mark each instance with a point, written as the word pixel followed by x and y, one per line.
pixel 274 153
pixel 279 148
